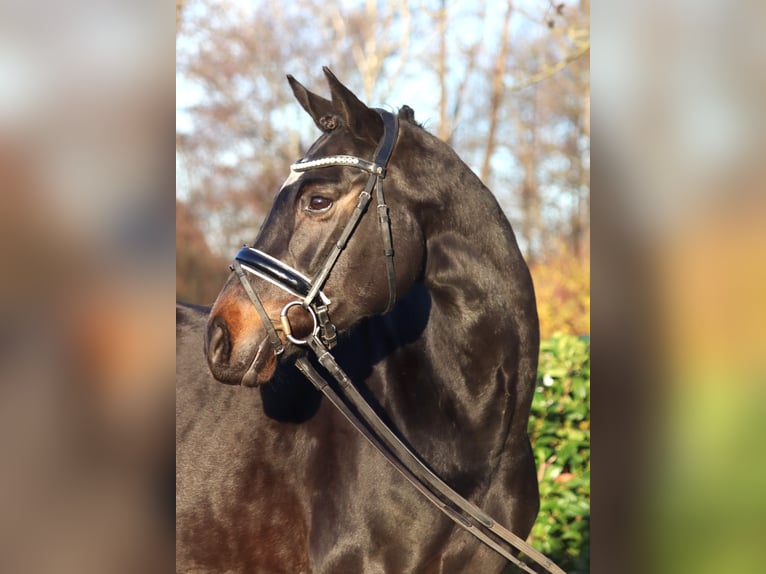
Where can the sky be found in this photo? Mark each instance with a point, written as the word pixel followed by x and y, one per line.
pixel 416 94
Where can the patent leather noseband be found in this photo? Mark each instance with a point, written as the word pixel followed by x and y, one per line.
pixel 274 271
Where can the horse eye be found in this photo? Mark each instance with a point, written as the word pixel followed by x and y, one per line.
pixel 318 203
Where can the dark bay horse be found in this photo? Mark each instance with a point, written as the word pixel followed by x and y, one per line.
pixel 270 477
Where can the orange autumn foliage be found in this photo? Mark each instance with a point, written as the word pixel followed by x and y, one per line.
pixel 562 287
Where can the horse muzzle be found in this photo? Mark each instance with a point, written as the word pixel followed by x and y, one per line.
pixel 240 349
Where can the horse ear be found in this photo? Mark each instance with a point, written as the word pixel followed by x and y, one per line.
pixel 361 121
pixel 316 106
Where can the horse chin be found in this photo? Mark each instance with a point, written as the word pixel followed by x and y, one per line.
pixel 263 367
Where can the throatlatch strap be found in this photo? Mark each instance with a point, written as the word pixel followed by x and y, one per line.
pixel 382 155
pixel 388 245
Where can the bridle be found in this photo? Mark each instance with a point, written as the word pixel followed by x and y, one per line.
pixel 312 299
pixel 323 337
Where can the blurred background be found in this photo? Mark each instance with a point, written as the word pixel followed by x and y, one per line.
pixel 679 240
pixel 679 277
pixel 86 287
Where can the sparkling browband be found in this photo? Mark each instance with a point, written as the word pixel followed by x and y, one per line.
pixel 338 160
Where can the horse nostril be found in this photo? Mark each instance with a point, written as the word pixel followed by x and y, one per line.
pixel 218 342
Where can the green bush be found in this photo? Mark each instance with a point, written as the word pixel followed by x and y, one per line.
pixel 559 429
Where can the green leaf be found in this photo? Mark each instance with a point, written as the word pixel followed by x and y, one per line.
pixel 559 429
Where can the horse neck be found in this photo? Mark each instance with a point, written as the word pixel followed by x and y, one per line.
pixel 483 315
pixel 483 305
pixel 463 371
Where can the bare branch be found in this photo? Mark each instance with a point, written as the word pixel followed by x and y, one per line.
pixel 496 96
pixel 549 71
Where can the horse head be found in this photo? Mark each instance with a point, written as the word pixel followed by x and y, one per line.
pixel 304 229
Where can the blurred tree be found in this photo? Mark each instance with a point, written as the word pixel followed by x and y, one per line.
pixel 497 90
pixel 199 273
pixel 508 84
pixel 375 56
pixel 179 13
pixel 562 286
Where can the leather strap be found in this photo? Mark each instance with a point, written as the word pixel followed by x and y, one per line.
pixel 382 156
pixel 337 161
pixel 388 246
pixel 274 271
pixel 340 245
pixel 386 144
pixel 377 171
pixel 276 342
pixel 464 513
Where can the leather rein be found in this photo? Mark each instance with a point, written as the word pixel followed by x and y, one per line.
pixel 346 398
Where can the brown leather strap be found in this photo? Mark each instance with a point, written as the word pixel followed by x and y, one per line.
pixel 457 508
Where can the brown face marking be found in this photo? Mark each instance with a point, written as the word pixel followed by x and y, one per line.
pixel 241 317
pixel 240 351
pixel 235 314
